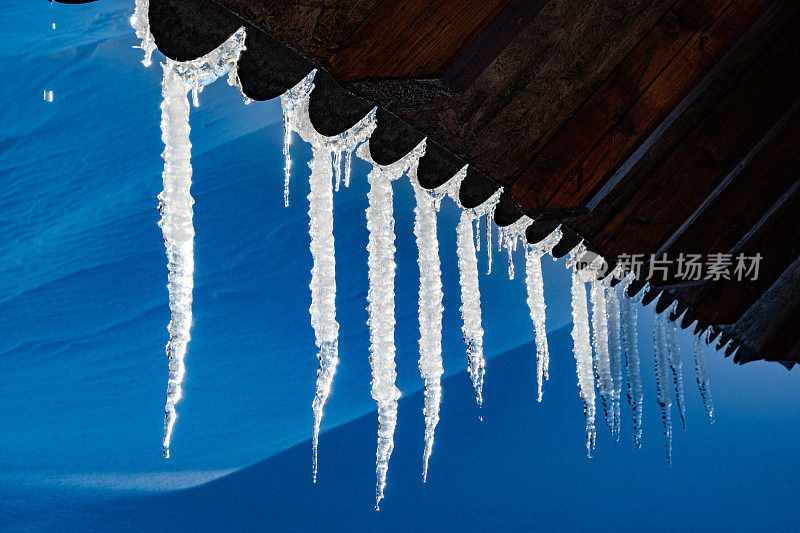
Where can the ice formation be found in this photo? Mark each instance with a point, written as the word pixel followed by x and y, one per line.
pixel 630 340
pixel 430 311
pixel 534 283
pixel 140 21
pixel 320 214
pixel 598 349
pixel 701 373
pixel 472 328
pixel 380 298
pixel 614 348
pixel 175 202
pixel 661 352
pixel 582 344
pixel 675 363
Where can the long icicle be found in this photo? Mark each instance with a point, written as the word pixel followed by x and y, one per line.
pixel 602 360
pixel 175 206
pixel 534 283
pixel 582 346
pixel 381 317
pixel 380 300
pixel 701 374
pixel 614 352
pixel 175 203
pixel 675 363
pixel 470 302
pixel 430 313
pixel 630 341
pixel 663 379
pixel 323 285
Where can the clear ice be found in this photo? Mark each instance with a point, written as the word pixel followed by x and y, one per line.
pixel 380 301
pixel 661 352
pixel 175 203
pixel 703 381
pixel 140 21
pixel 602 359
pixel 320 215
pixel 582 345
pixel 675 363
pixel 630 341
pixel 430 311
pixel 535 287
pixel 614 348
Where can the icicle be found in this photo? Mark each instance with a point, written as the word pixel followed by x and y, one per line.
pixel 291 101
pixel 614 347
pixel 602 360
pixel 430 312
pixel 662 379
pixel 470 302
pixel 535 286
pixel 675 363
pixel 347 164
pixel 468 274
pixel 175 203
pixel 140 21
pixel 489 242
pixel 630 340
pixel 583 348
pixel 509 236
pixel 175 206
pixel 323 285
pixel 703 381
pixel 380 298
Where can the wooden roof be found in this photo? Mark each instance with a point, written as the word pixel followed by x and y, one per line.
pixel 644 126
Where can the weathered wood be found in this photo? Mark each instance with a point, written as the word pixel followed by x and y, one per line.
pixel 740 205
pixel 724 301
pixel 414 39
pixel 686 117
pixel 559 164
pixel 708 153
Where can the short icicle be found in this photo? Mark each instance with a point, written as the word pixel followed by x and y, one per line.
pixel 630 342
pixel 582 345
pixel 535 287
pixel 291 103
pixel 675 363
pixel 175 203
pixel 663 379
pixel 380 297
pixel 430 312
pixel 140 21
pixel 701 374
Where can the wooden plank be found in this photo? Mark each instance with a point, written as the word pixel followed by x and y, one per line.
pixel 683 120
pixel 739 206
pixel 708 154
pixel 724 301
pixel 414 39
pixel 473 59
pixel 559 161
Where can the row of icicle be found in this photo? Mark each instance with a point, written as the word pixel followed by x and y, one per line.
pixel 599 347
